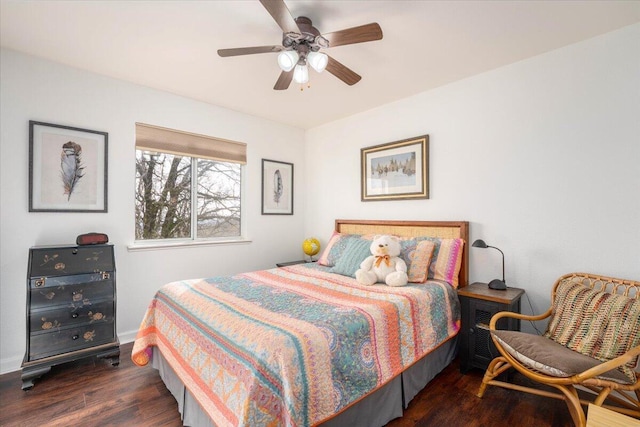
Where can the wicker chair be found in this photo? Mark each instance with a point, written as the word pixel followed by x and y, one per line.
pixel 592 341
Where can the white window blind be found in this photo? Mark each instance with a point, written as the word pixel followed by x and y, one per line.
pixel 159 139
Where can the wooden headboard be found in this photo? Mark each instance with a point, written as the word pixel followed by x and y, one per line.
pixel 442 229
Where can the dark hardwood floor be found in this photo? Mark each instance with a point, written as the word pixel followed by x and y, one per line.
pixel 93 393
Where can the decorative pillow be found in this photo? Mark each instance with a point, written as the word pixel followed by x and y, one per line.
pixel 336 246
pixel 408 246
pixel 355 251
pixel 445 263
pixel 418 258
pixel 597 324
pixel 330 250
pixel 446 260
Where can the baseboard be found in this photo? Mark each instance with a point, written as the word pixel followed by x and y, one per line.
pixel 10 364
pixel 127 337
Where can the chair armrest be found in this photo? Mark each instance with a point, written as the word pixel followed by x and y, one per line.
pixel 608 366
pixel 511 314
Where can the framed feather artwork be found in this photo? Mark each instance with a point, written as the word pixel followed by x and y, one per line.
pixel 67 169
pixel 277 188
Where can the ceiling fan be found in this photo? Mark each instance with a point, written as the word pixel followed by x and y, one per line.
pixel 301 43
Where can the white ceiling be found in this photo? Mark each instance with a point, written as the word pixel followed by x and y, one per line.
pixel 171 45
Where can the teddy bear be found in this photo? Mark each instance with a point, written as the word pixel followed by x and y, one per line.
pixel 384 265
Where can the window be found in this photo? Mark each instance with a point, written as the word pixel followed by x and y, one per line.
pixel 187 186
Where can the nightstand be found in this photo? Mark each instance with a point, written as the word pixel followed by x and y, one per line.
pixel 286 264
pixel 479 304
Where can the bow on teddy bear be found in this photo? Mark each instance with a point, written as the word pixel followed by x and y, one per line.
pixel 385 264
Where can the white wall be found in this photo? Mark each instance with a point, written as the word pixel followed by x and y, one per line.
pixel 542 157
pixel 34 89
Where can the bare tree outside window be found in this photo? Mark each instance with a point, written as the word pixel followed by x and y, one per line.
pixel 218 199
pixel 164 189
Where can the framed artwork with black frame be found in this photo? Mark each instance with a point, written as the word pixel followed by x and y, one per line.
pixel 396 170
pixel 67 168
pixel 277 187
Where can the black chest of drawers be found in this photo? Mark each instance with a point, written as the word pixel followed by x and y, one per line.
pixel 71 307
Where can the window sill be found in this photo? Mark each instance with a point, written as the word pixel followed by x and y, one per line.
pixel 152 246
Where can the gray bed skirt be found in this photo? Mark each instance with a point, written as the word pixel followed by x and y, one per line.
pixel 377 409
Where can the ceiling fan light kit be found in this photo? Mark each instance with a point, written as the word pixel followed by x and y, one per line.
pixel 287 60
pixel 301 43
pixel 301 74
pixel 318 61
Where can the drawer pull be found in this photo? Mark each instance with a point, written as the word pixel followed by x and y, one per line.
pixel 74 315
pixel 40 282
pixel 75 337
pixel 105 275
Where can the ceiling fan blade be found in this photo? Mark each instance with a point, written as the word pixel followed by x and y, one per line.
pixel 278 10
pixel 284 80
pixel 343 73
pixel 248 50
pixel 361 34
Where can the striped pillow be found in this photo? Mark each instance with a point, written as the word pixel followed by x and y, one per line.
pixel 444 263
pixel 446 260
pixel 597 324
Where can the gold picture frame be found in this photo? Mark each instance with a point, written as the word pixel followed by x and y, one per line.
pixel 396 171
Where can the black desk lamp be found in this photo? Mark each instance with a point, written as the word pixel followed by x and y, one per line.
pixel 498 284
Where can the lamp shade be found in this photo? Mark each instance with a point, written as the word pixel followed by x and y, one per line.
pixel 479 244
pixel 287 60
pixel 301 74
pixel 318 61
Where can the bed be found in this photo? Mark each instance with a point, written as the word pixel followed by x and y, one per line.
pixel 306 345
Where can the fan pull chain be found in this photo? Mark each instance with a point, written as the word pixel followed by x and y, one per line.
pixel 302 86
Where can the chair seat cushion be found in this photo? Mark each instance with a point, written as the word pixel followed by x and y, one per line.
pixel 548 357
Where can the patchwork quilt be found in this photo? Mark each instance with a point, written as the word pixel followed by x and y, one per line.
pixel 291 346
